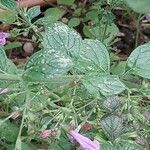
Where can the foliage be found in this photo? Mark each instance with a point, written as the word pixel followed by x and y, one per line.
pixel 72 80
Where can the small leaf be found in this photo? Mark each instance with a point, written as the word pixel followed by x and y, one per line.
pixel 13 45
pixel 140 6
pixel 60 37
pixel 8 4
pixel 65 2
pixel 53 14
pixel 105 84
pixel 33 12
pixel 45 64
pixel 93 57
pixel 113 126
pixel 111 103
pixel 6 65
pixel 139 61
pixel 73 22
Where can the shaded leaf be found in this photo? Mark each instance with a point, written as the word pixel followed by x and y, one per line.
pixel 65 2
pixel 112 126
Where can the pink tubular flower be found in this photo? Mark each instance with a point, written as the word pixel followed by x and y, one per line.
pixel 3 36
pixel 84 142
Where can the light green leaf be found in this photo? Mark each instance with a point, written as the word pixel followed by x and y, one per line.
pixel 8 16
pixel 94 57
pixel 112 126
pixel 53 14
pixel 13 45
pixel 65 2
pixel 6 65
pixel 60 37
pixel 139 61
pixel 105 84
pixel 73 22
pixel 140 6
pixel 107 146
pixel 33 12
pixel 8 4
pixel 45 64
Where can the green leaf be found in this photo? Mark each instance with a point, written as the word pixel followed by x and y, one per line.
pixel 33 12
pixel 6 65
pixel 60 37
pixel 65 2
pixel 107 146
pixel 111 103
pixel 13 45
pixel 139 61
pixel 54 14
pixel 8 4
pixel 8 16
pixel 105 84
pixel 73 22
pixel 93 57
pixel 140 6
pixel 9 131
pixel 45 64
pixel 112 126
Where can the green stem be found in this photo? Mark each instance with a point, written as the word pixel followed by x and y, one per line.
pixel 104 34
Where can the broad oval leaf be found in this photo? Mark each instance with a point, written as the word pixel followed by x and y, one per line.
pixel 107 85
pixel 33 12
pixel 112 126
pixel 140 6
pixel 8 4
pixel 139 61
pixel 62 38
pixel 111 103
pixel 94 57
pixel 44 64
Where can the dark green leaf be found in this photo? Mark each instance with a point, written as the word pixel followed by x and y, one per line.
pixel 139 61
pixel 8 4
pixel 13 45
pixel 113 126
pixel 65 2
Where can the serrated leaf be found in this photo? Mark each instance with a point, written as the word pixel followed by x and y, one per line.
pixel 65 2
pixel 94 57
pixel 111 103
pixel 6 65
pixel 8 4
pixel 33 12
pixel 139 61
pixel 112 126
pixel 140 6
pixel 45 64
pixel 54 14
pixel 60 37
pixel 105 84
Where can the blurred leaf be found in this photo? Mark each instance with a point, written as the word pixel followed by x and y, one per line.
pixel 73 22
pixel 65 2
pixel 105 84
pixel 6 133
pixel 63 39
pixel 107 146
pixel 139 61
pixel 94 57
pixel 8 4
pixel 6 65
pixel 33 12
pixel 140 6
pixel 54 14
pixel 111 103
pixel 45 64
pixel 113 126
pixel 8 16
pixel 13 45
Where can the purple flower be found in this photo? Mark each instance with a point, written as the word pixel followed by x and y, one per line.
pixel 84 142
pixel 3 36
pixel 148 17
pixel 48 133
